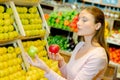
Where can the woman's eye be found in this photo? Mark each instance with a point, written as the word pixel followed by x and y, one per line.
pixel 84 20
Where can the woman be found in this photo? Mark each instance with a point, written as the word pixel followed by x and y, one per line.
pixel 89 58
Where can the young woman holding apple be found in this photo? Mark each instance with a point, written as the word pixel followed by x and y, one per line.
pixel 89 59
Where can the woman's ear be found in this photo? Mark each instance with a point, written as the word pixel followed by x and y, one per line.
pixel 98 25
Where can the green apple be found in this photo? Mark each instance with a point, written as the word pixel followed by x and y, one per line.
pixel 32 51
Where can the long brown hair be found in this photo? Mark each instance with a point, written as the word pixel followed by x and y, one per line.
pixel 99 18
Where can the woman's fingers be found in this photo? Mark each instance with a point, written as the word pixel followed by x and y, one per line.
pixel 53 56
pixel 49 55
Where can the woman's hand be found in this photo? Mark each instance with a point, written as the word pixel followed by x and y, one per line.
pixel 37 62
pixel 56 56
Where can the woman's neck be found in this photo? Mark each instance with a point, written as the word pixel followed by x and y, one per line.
pixel 90 42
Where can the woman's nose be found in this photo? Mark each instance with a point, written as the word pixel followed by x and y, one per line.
pixel 78 23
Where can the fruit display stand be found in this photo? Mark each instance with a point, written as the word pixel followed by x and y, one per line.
pixel 114 44
pixel 29 27
pixel 26 2
pixel 118 73
pixel 35 73
pixel 11 57
pixel 11 62
pixel 47 7
pixel 8 30
pixel 3 1
pixel 33 31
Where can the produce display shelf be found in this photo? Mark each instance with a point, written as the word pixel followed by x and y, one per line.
pixel 61 29
pixel 3 1
pixel 118 73
pixel 11 61
pixel 114 64
pixel 26 38
pixel 65 54
pixel 8 41
pixel 113 41
pixel 26 2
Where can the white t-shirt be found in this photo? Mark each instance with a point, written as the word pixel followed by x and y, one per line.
pixel 89 67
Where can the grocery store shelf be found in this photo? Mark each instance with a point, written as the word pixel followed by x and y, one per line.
pixel 26 2
pixel 113 63
pixel 65 52
pixel 118 73
pixel 61 29
pixel 113 41
pixel 43 18
pixel 17 18
pixel 3 1
pixel 101 2
pixel 26 38
pixel 3 42
pixel 66 55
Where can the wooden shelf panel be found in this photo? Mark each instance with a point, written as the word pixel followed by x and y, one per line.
pixel 26 2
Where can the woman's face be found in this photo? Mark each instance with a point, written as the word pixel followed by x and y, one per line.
pixel 86 24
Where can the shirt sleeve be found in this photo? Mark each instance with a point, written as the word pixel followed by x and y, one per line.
pixel 88 72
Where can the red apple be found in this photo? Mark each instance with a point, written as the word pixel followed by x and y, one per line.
pixel 54 48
